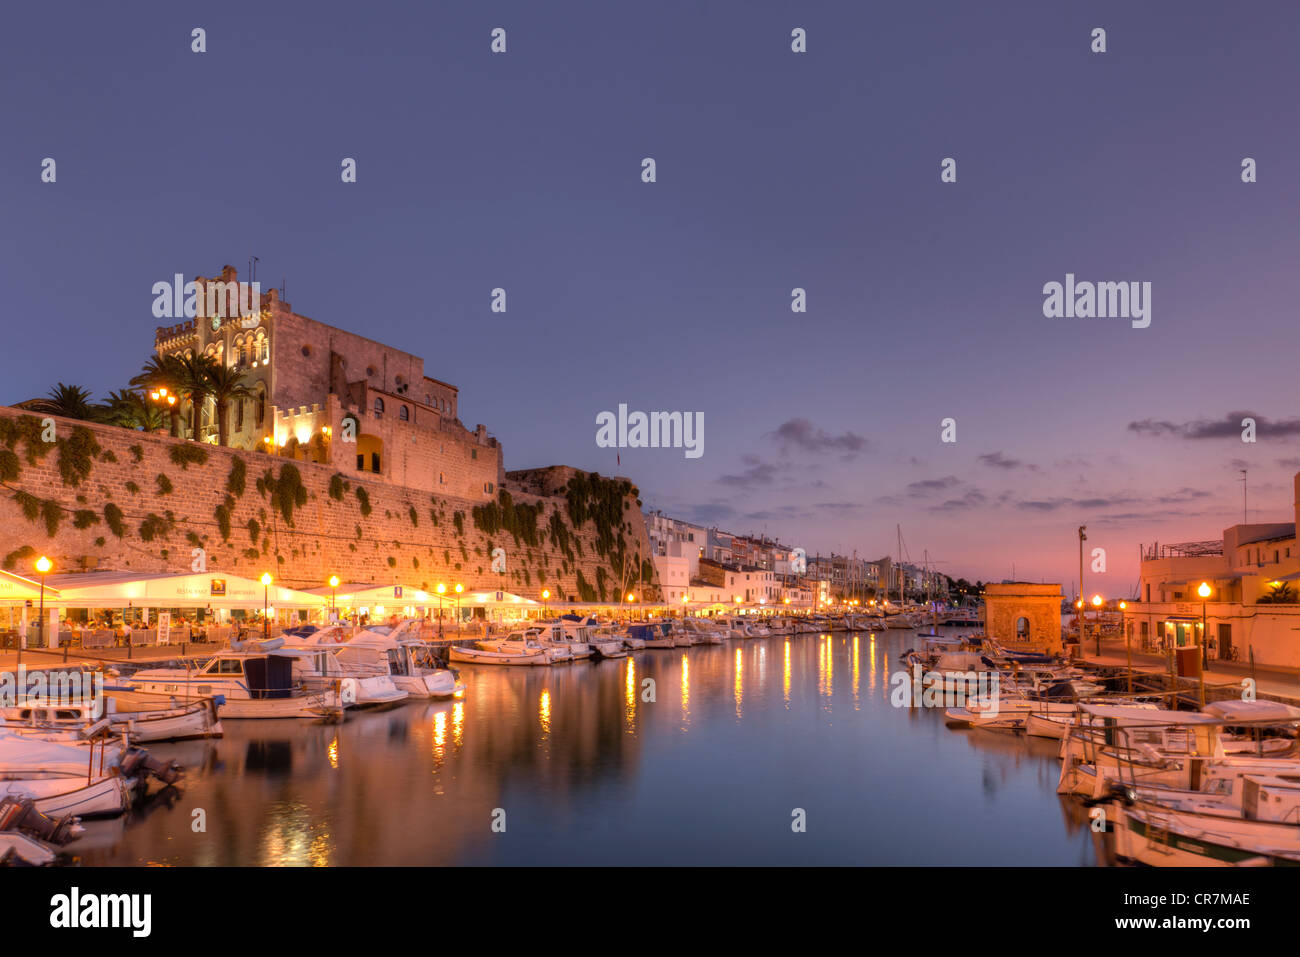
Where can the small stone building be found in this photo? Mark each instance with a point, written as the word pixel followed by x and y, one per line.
pixel 1024 615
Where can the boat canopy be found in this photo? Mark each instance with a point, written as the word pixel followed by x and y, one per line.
pixel 1253 711
pixel 1125 715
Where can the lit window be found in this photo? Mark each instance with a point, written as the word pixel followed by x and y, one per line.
pixel 379 407
pixel 404 414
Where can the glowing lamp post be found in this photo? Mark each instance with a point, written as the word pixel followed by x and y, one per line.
pixel 459 588
pixel 441 590
pixel 334 584
pixel 1097 603
pixel 266 591
pixel 1204 590
pixel 1128 647
pixel 546 596
pixel 43 565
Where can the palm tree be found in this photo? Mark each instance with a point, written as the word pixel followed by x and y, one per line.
pixel 226 385
pixel 129 409
pixel 69 401
pixel 195 386
pixel 162 372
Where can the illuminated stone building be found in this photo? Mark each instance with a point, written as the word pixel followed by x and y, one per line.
pixel 321 394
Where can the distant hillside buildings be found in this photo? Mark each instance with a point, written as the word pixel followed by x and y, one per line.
pixel 706 565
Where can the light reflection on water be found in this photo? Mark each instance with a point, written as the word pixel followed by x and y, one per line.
pixel 590 773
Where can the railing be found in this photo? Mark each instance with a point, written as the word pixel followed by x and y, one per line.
pixel 1156 550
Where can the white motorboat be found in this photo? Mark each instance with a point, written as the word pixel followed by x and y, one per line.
pixel 143 717
pixel 1190 829
pixel 364 681
pixel 582 632
pixel 1144 746
pixel 517 648
pixel 653 634
pixel 63 778
pixel 252 682
pixel 704 631
pixel 409 664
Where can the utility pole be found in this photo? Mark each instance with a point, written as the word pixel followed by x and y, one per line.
pixel 1245 511
pixel 1080 606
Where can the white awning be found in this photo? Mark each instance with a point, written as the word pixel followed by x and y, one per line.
pixel 164 590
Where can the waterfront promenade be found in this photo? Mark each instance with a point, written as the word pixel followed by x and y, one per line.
pixel 1281 683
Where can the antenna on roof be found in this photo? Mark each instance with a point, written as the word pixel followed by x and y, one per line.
pixel 1245 512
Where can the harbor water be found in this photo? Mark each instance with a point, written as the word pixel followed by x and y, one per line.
pixel 709 755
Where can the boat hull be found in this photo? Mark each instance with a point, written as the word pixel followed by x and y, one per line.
pixel 470 656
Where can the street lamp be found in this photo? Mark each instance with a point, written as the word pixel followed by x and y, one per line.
pixel 43 565
pixel 1204 590
pixel 266 589
pixel 334 584
pixel 546 596
pixel 441 590
pixel 459 588
pixel 1128 645
pixel 1097 603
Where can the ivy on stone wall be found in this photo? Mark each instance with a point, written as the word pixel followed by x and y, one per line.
pixel 165 486
pixel 29 429
pixel 187 455
pixel 84 518
pixel 10 467
pixel 364 498
pixel 153 526
pixel 223 521
pixel 52 514
pixel 77 456
pixel 113 519
pixel 337 487
pixel 137 454
pixel 29 503
pixel 236 478
pixel 18 555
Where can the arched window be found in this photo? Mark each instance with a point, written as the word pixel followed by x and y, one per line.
pixel 404 414
pixel 379 407
pixel 1022 628
pixel 261 409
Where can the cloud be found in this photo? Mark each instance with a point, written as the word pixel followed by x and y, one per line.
pixel 928 486
pixel 973 498
pixel 758 474
pixel 999 461
pixel 802 435
pixel 1227 427
pixel 711 514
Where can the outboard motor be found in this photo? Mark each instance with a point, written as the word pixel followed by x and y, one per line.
pixel 138 760
pixel 21 814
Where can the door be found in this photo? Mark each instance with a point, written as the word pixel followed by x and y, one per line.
pixel 1225 640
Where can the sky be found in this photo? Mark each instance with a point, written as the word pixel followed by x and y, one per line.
pixel 774 170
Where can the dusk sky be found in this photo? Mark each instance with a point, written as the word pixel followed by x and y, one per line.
pixel 775 170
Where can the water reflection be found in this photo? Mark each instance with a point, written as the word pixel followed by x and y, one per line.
pixel 590 773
